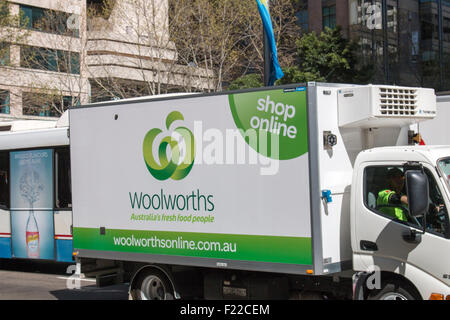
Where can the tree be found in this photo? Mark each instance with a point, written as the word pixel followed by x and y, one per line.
pixel 141 58
pixel 183 45
pixel 327 57
pixel 60 81
pixel 209 35
pixel 10 31
pixel 294 75
pixel 226 37
pixel 247 81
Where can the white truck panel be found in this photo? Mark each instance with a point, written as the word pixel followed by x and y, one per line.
pixel 265 216
pixel 335 175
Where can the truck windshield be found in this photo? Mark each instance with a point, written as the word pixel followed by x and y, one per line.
pixel 444 166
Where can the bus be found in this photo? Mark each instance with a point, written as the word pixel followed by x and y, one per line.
pixel 35 191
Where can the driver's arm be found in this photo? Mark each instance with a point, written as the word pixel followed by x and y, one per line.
pixel 397 199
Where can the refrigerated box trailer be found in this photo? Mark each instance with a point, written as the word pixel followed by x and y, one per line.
pixel 264 193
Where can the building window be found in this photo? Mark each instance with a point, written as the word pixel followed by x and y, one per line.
pixel 428 55
pixel 446 29
pixel 427 27
pixel 4 10
pixel 4 54
pixel 329 17
pixel 45 105
pixel 4 101
pixel 302 20
pixel 50 59
pixel 49 21
pixel 391 19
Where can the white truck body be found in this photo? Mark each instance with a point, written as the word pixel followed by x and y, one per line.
pixel 211 200
pixel 235 206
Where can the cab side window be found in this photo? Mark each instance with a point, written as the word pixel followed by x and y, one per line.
pixel 385 194
pixel 437 219
pixel 4 180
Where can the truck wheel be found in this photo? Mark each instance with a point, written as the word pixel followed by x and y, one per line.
pixel 394 290
pixel 152 285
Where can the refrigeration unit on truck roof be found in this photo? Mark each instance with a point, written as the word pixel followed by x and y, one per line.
pixel 384 106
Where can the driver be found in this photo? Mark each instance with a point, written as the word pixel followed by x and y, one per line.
pixel 392 199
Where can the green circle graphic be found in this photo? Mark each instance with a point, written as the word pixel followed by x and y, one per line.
pixel 283 112
pixel 169 168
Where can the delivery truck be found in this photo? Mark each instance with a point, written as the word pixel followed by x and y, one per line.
pixel 296 192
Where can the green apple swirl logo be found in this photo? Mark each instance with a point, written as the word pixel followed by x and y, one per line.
pixel 172 168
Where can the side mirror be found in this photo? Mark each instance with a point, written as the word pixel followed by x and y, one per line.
pixel 417 192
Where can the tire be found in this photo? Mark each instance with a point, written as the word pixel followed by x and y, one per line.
pixel 394 290
pixel 152 284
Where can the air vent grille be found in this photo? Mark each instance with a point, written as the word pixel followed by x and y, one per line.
pixel 401 102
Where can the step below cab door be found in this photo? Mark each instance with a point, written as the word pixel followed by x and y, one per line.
pixel 384 233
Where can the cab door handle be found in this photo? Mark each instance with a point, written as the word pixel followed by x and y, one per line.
pixel 368 245
pixel 413 237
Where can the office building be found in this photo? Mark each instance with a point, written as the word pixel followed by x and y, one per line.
pixel 75 52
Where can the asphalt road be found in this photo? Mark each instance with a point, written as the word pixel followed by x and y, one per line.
pixel 27 280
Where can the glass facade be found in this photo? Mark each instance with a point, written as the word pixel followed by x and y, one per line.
pixel 407 42
pixel 374 25
pixel 435 43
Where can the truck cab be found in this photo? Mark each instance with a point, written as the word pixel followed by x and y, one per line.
pixel 411 255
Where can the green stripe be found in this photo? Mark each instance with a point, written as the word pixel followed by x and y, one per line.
pixel 292 250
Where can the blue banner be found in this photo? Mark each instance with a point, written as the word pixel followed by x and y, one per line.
pixel 275 69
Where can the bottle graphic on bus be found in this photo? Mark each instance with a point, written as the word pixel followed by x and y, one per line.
pixel 30 188
pixel 32 237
